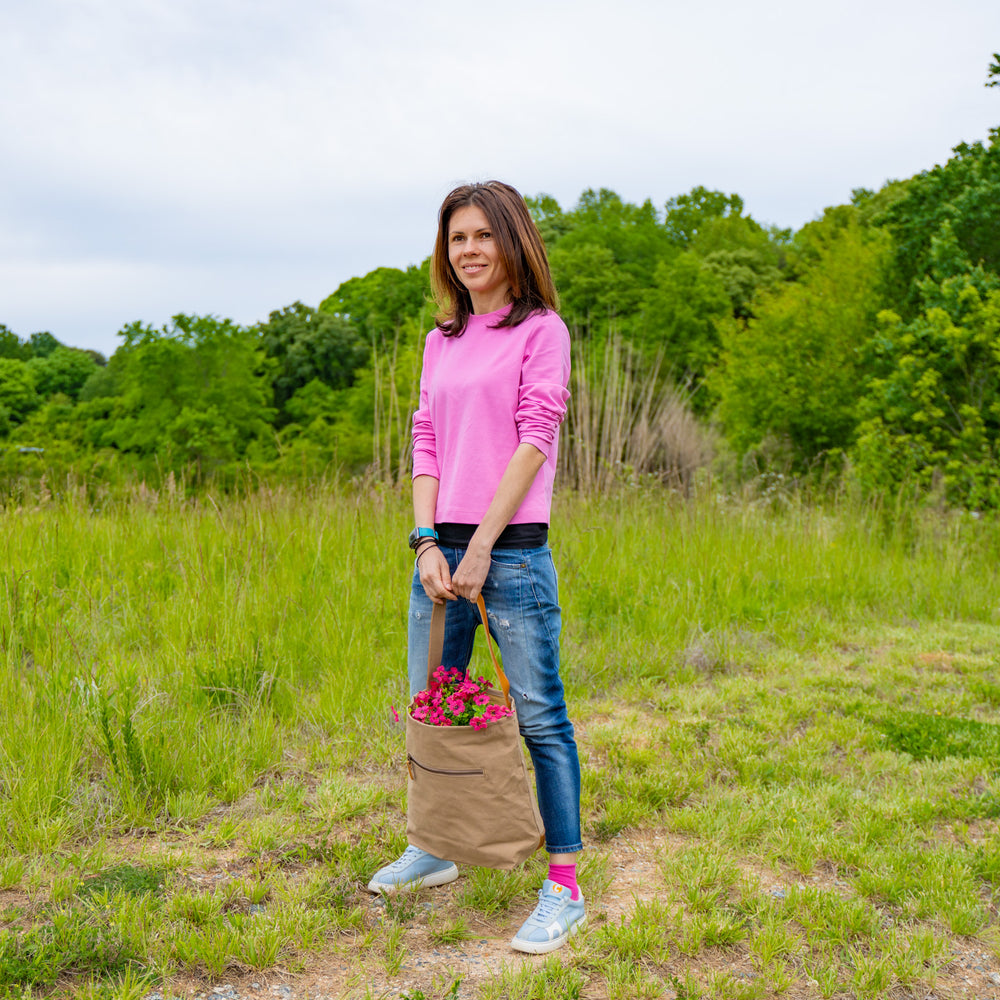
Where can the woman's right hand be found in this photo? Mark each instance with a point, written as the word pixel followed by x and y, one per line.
pixel 435 575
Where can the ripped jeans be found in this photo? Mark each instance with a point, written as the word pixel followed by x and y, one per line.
pixel 522 605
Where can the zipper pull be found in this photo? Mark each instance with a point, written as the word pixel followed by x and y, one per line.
pixel 409 767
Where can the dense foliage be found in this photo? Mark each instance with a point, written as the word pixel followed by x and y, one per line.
pixel 867 343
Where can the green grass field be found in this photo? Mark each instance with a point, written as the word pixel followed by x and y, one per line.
pixel 789 722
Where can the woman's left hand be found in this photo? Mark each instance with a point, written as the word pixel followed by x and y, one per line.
pixel 468 579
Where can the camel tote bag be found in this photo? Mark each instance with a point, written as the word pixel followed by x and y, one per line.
pixel 469 798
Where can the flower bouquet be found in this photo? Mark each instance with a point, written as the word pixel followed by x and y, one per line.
pixel 453 699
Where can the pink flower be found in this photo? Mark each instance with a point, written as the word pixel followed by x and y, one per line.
pixel 395 714
pixel 454 699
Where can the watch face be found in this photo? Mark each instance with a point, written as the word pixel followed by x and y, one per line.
pixel 419 533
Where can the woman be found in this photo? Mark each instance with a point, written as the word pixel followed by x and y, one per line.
pixel 493 391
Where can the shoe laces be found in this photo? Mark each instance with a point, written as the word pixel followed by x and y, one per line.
pixel 548 907
pixel 406 858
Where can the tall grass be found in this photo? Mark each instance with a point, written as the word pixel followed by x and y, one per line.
pixel 628 423
pixel 159 649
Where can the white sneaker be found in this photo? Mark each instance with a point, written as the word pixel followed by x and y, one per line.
pixel 414 869
pixel 556 918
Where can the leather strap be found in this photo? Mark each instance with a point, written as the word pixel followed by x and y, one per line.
pixel 435 647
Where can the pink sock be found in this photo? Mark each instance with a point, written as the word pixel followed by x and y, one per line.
pixel 565 875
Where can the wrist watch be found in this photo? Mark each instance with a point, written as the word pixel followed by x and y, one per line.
pixel 419 533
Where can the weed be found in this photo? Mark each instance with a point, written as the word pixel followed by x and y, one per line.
pixel 131 880
pixel 11 872
pixel 417 994
pixel 68 945
pixel 451 932
pixel 639 939
pixel 401 907
pixel 238 680
pixel 627 981
pixel 927 736
pixel 686 988
pixel 491 892
pixel 549 981
pixel 393 948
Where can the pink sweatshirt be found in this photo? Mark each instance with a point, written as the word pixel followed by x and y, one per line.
pixel 481 395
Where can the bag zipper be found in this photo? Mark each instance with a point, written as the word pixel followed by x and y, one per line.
pixel 411 760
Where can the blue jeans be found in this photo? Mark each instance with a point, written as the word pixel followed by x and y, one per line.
pixel 522 605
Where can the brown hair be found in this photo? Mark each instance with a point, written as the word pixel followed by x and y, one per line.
pixel 519 247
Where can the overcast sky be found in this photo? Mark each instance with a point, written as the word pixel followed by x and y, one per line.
pixel 234 156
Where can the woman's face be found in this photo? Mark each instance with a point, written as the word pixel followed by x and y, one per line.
pixel 475 259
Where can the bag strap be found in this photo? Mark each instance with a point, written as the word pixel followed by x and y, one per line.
pixel 435 647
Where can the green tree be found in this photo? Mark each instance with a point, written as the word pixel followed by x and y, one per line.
pixel 604 254
pixel 679 318
pixel 42 344
pixel 688 215
pixel 593 288
pixel 11 345
pixel 550 219
pixel 377 304
pixel 744 274
pixel 64 370
pixel 963 194
pixel 175 384
pixel 18 395
pixel 931 412
pixel 632 233
pixel 309 344
pixel 794 374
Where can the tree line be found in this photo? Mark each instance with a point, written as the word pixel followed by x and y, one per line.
pixel 866 343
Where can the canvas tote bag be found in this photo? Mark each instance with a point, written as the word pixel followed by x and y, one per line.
pixel 469 798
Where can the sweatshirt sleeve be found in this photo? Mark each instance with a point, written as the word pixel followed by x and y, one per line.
pixel 543 394
pixel 425 461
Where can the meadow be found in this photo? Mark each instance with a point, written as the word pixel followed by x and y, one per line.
pixel 788 715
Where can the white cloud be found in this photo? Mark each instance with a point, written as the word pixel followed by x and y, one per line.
pixel 169 151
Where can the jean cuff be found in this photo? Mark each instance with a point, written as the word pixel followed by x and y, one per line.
pixel 572 849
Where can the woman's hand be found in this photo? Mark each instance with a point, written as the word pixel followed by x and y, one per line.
pixel 471 572
pixel 435 576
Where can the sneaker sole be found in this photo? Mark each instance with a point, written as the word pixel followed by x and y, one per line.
pixel 542 947
pixel 426 882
